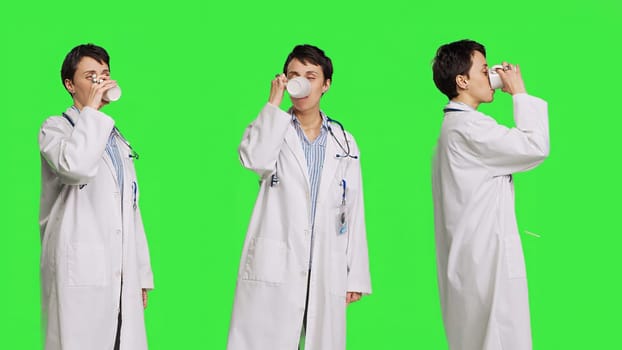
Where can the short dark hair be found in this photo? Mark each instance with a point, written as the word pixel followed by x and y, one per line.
pixel 70 64
pixel 451 60
pixel 311 54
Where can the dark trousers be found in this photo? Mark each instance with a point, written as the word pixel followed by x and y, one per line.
pixel 117 339
pixel 304 318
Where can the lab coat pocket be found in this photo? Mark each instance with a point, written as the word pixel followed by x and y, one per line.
pixel 338 274
pixel 265 260
pixel 86 265
pixel 515 260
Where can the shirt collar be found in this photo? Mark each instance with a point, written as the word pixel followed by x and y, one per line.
pixel 459 105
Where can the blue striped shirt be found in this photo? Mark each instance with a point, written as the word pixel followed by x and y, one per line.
pixel 113 152
pixel 314 154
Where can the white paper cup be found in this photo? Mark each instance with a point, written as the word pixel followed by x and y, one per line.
pixel 112 94
pixel 299 87
pixel 495 79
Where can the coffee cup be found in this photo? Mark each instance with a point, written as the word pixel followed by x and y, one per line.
pixel 495 79
pixel 299 87
pixel 112 94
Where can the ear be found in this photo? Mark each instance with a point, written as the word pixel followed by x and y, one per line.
pixel 462 82
pixel 69 86
pixel 326 85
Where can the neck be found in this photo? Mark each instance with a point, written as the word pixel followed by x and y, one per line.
pixel 467 100
pixel 310 118
pixel 78 105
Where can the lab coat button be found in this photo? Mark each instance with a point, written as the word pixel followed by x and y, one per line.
pixel 118 232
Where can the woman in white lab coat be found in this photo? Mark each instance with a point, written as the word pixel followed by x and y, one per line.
pixel 299 270
pixel 481 271
pixel 95 267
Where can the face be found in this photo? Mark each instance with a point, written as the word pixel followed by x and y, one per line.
pixel 477 84
pixel 315 75
pixel 80 85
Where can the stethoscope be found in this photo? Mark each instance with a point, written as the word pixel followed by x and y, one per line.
pixel 134 154
pixel 346 150
pixel 465 108
pixel 274 180
pixel 453 110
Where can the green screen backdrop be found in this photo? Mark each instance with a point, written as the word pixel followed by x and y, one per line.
pixel 194 74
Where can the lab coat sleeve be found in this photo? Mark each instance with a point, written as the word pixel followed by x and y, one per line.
pixel 263 139
pixel 508 150
pixel 357 254
pixel 143 259
pixel 74 153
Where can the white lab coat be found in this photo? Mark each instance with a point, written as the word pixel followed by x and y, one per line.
pixel 91 236
pixel 481 269
pixel 272 282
